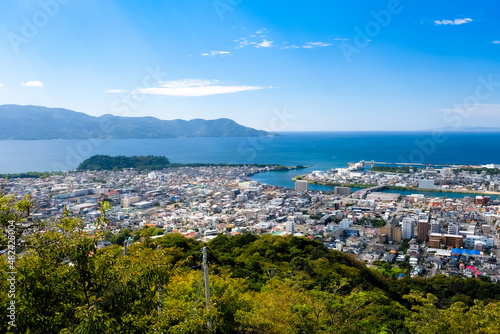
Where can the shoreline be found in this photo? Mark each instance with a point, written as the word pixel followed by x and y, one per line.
pixel 37 175
pixel 354 185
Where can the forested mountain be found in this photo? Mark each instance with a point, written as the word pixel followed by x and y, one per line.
pixel 64 283
pixel 37 123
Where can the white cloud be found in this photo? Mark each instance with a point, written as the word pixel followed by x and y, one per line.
pixel 290 46
pixel 216 53
pixel 194 87
pixel 259 41
pixel 480 109
pixel 242 42
pixel 34 83
pixel 311 45
pixel 341 39
pixel 1 85
pixel 496 42
pixel 118 91
pixel 453 22
pixel 264 44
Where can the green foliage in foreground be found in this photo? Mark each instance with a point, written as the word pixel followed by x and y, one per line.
pixel 126 233
pixel 65 284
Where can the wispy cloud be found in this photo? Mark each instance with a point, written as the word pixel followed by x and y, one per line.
pixel 1 85
pixel 215 53
pixel 479 109
pixel 496 42
pixel 244 42
pixel 34 83
pixel 341 39
pixel 312 45
pixel 289 46
pixel 264 44
pixel 241 43
pixel 454 22
pixel 192 87
pixel 258 40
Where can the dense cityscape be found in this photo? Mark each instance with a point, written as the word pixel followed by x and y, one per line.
pixel 398 235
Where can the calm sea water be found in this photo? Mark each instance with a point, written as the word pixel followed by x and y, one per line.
pixel 321 150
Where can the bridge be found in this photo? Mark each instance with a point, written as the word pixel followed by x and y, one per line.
pixel 363 192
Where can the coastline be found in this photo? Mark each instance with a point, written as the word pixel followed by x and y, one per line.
pixel 354 185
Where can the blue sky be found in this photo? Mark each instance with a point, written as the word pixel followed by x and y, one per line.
pixel 274 65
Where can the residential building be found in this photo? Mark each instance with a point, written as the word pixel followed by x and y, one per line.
pixel 343 191
pixel 453 229
pixel 408 228
pixel 426 184
pixel 435 226
pixel 301 185
pixel 290 226
pixel 422 230
pixel 392 232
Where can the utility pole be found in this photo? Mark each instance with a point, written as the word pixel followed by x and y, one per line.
pixel 160 300
pixel 207 285
pixel 125 245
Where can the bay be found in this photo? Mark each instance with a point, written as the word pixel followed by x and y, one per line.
pixel 320 150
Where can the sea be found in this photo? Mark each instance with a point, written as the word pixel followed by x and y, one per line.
pixel 317 150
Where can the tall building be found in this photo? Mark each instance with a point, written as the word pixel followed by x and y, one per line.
pixel 453 229
pixel 398 234
pixel 408 231
pixel 422 230
pixel 290 227
pixel 301 185
pixel 392 232
pixel 234 193
pixel 435 226
pixel 241 198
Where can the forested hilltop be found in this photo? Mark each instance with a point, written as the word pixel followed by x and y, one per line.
pixel 151 162
pixel 66 283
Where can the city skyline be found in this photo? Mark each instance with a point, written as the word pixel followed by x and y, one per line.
pixel 387 65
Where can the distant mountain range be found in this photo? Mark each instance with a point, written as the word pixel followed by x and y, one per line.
pixel 39 123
